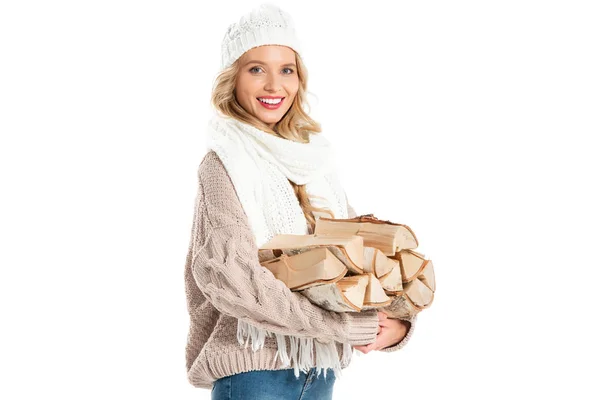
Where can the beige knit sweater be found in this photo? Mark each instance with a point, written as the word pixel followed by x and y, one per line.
pixel 224 282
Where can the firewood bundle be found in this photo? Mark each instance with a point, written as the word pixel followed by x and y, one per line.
pixel 354 264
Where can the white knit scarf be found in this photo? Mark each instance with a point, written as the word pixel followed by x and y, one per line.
pixel 259 165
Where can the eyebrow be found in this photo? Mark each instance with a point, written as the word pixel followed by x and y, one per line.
pixel 262 63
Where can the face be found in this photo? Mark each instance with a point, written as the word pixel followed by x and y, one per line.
pixel 267 72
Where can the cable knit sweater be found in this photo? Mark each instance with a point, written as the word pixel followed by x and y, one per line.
pixel 224 282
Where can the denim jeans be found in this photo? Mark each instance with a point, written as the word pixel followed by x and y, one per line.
pixel 270 385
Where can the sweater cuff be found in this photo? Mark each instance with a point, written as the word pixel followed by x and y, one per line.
pixel 406 338
pixel 362 327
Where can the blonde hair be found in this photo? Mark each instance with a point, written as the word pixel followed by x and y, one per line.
pixel 295 125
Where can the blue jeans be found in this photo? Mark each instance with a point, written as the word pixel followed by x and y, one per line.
pixel 270 385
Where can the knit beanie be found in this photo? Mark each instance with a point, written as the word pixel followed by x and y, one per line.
pixel 266 24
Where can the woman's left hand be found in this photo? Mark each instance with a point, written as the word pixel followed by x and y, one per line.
pixel 391 332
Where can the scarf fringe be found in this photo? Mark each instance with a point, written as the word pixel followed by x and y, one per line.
pixel 301 350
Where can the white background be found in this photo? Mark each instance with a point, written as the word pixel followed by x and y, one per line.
pixel 474 122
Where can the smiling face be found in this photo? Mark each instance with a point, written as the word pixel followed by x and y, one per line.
pixel 268 73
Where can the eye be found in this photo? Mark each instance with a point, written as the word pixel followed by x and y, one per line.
pixel 286 73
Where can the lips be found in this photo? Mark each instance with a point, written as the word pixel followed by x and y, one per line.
pixel 271 106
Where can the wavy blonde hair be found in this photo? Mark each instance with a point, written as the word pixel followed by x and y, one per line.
pixel 295 125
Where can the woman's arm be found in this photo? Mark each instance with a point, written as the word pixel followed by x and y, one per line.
pixel 226 269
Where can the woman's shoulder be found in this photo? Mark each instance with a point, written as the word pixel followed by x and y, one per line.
pixel 213 174
pixel 218 192
pixel 211 164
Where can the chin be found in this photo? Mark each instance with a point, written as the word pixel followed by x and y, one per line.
pixel 271 119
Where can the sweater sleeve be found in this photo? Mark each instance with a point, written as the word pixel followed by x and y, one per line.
pixel 406 338
pixel 411 321
pixel 227 271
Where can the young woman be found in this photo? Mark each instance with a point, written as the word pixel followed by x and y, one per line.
pixel 267 171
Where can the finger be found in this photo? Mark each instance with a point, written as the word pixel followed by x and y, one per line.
pixel 360 348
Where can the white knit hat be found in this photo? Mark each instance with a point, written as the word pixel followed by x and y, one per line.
pixel 267 24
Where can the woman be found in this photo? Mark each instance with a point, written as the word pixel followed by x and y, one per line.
pixel 265 160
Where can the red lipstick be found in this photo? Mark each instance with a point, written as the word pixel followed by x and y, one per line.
pixel 271 106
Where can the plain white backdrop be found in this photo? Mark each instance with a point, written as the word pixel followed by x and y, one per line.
pixel 474 122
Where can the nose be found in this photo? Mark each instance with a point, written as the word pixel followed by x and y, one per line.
pixel 272 83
